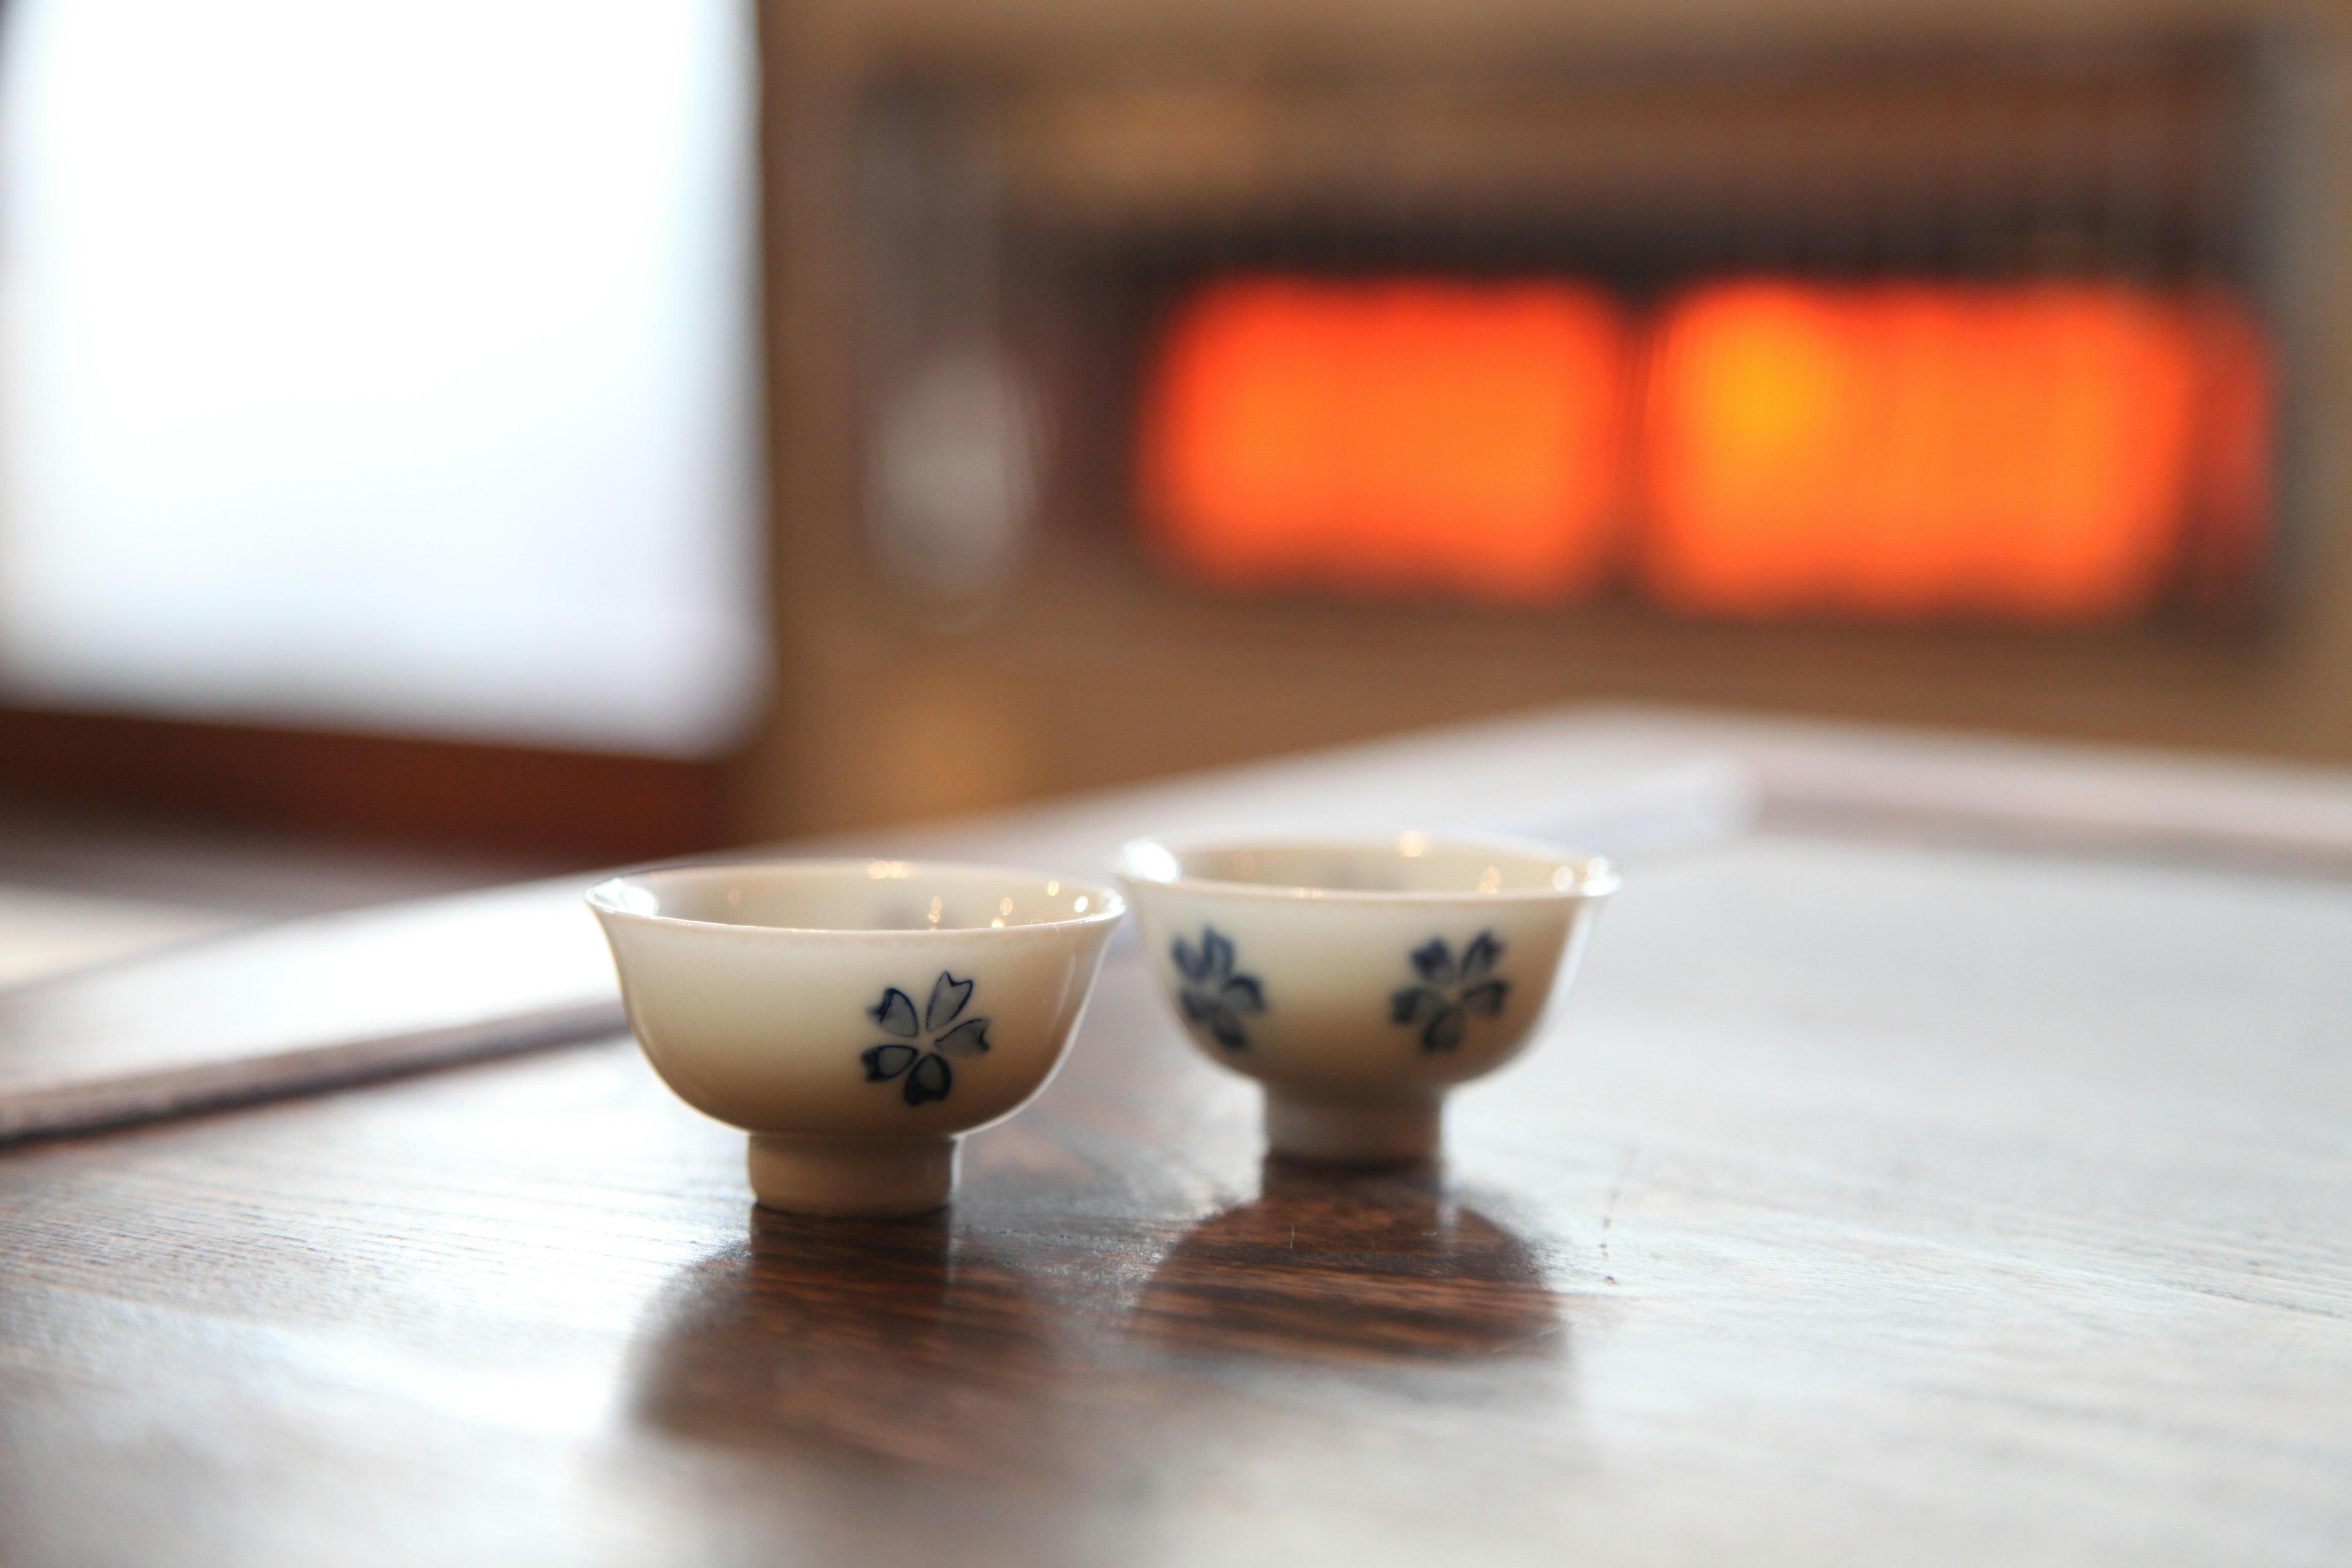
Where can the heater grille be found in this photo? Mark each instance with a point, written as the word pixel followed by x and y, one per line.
pixel 1950 336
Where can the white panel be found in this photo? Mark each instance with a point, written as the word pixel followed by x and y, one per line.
pixel 382 364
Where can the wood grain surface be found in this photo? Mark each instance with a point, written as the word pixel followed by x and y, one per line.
pixel 1875 1203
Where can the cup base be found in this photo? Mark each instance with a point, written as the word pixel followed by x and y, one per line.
pixel 873 1178
pixel 1353 1132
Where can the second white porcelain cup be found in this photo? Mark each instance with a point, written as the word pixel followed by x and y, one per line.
pixel 1360 980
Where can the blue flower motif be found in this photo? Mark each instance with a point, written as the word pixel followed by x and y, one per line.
pixel 1213 999
pixel 1449 992
pixel 924 1065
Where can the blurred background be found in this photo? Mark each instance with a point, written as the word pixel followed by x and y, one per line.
pixel 557 434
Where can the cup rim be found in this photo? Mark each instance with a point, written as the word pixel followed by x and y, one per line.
pixel 1594 877
pixel 603 899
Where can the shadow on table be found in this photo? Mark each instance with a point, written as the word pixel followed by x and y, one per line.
pixel 1338 1266
pixel 895 1391
pixel 910 1390
pixel 895 1340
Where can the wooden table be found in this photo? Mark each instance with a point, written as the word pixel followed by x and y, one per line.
pixel 1882 1199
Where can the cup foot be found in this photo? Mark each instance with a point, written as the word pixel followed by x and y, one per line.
pixel 1353 1132
pixel 852 1177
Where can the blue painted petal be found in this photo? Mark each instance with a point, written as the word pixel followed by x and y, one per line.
pixel 1487 998
pixel 1190 963
pixel 1479 957
pixel 1434 961
pixel 932 1080
pixel 1216 954
pixel 884 1062
pixel 1243 994
pixel 1444 1031
pixel 896 1013
pixel 1227 1029
pixel 948 996
pixel 1414 1004
pixel 968 1039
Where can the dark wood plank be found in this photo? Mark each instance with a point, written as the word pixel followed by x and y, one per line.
pixel 437 795
pixel 1876 1204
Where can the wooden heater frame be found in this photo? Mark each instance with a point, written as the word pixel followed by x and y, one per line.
pixel 1087 667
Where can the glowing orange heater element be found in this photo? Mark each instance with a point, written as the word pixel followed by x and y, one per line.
pixel 2048 452
pixel 1387 437
pixel 2034 452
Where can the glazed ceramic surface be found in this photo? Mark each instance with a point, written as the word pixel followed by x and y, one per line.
pixel 1359 979
pixel 857 1017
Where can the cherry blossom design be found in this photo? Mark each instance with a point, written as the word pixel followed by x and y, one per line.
pixel 1213 998
pixel 923 1066
pixel 1449 992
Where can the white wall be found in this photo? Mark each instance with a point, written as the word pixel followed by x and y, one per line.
pixel 382 364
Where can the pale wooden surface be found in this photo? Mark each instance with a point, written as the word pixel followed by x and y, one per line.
pixel 327 999
pixel 353 994
pixel 45 932
pixel 1878 1203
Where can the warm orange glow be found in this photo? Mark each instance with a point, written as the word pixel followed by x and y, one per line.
pixel 1387 437
pixel 2029 451
pixel 2067 453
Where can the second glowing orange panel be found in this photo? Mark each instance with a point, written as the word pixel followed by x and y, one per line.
pixel 1914 451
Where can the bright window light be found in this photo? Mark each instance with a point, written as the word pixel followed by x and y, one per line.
pixel 382 367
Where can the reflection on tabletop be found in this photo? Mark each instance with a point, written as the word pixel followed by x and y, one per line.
pixel 994 1355
pixel 1341 1266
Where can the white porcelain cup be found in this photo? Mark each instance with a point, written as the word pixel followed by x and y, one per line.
pixel 1359 979
pixel 857 1017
